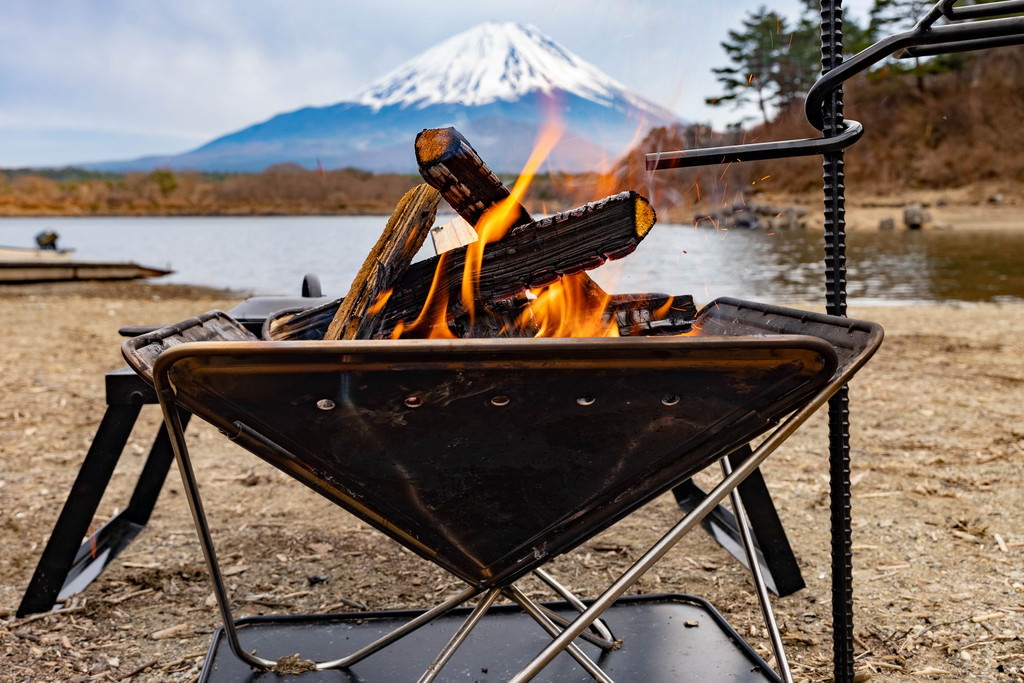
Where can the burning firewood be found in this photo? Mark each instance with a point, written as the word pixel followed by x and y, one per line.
pixel 386 263
pixel 529 256
pixel 441 295
pixel 450 165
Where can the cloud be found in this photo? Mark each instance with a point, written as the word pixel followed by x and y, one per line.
pixel 190 70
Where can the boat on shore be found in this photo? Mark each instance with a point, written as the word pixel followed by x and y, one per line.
pixel 25 265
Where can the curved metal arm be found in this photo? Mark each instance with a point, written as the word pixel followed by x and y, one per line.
pixel 988 9
pixel 974 35
pixel 779 149
pixel 923 40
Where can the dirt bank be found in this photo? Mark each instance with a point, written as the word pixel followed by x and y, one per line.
pixel 938 447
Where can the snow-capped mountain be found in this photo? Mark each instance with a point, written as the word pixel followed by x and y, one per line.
pixel 497 83
pixel 497 61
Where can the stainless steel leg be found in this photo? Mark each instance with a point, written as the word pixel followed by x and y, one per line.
pixel 683 527
pixel 540 616
pixel 460 636
pixel 599 627
pixel 755 571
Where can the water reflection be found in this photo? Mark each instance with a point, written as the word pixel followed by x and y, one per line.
pixel 789 266
pixel 269 255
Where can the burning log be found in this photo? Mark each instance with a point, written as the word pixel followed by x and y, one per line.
pixel 450 165
pixel 489 296
pixel 635 314
pixel 386 263
pixel 529 256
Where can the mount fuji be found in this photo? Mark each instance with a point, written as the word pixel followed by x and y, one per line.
pixel 497 83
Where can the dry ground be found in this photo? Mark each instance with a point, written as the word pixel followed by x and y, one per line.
pixel 938 448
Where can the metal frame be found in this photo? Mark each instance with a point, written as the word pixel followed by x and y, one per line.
pixel 605 639
pixel 562 640
pixel 67 564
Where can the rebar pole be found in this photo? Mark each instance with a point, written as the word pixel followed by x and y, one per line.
pixel 834 191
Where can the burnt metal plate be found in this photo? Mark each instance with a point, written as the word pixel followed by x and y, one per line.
pixel 488 457
pixel 675 638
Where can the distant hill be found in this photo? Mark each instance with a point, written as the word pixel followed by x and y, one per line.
pixel 494 82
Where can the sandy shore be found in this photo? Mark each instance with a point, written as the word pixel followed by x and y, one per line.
pixel 938 447
pixel 977 207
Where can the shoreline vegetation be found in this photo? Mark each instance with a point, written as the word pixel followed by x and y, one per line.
pixel 291 190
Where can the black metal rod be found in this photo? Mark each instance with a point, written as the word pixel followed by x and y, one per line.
pixel 79 508
pixel 834 191
pixel 934 14
pixel 154 473
pixel 779 149
pixel 987 9
pixel 961 46
pixel 940 35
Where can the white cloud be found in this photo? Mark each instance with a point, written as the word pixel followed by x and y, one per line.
pixel 191 70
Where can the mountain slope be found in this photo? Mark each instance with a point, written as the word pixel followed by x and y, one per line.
pixel 497 83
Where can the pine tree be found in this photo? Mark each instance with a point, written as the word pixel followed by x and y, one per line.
pixel 755 52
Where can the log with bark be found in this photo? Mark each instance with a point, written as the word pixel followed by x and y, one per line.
pixel 529 256
pixel 385 265
pixel 450 165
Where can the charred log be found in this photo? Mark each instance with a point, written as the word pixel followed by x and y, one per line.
pixel 386 263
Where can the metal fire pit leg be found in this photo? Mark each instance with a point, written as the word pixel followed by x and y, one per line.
pixel 755 572
pixel 195 503
pixel 460 636
pixel 174 423
pixel 403 630
pixel 541 616
pixel 599 627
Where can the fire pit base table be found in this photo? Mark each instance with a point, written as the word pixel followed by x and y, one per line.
pixel 674 638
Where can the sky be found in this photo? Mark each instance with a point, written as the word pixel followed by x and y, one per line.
pixel 97 80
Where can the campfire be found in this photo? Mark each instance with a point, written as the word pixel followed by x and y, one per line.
pixel 508 275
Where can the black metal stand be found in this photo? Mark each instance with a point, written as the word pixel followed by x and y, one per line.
pixel 774 553
pixel 68 564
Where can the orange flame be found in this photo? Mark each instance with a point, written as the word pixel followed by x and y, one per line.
pixel 497 220
pixel 570 307
pixel 573 306
pixel 432 322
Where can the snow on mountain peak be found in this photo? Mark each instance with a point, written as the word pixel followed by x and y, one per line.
pixel 493 61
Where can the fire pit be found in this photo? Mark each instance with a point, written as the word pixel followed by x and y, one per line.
pixel 548 440
pixel 440 402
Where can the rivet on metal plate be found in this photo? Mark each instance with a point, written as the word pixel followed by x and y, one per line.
pixel 669 400
pixel 325 404
pixel 500 400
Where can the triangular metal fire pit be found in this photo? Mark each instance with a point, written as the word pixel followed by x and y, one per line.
pixel 489 457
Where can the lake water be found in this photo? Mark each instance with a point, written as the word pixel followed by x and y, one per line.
pixel 270 255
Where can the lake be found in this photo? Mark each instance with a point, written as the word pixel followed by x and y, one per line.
pixel 270 255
